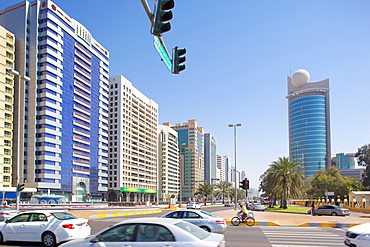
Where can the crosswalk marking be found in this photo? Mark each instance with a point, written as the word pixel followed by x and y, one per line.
pixel 302 237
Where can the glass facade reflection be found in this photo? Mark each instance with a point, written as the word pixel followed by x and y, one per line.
pixel 309 126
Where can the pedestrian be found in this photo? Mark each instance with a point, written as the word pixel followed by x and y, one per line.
pixel 313 209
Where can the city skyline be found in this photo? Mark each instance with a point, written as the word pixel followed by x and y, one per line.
pixel 236 69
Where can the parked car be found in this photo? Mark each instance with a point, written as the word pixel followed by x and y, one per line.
pixel 193 205
pixel 6 212
pixel 228 204
pixel 205 220
pixel 48 227
pixel 358 236
pixel 257 207
pixel 153 232
pixel 332 210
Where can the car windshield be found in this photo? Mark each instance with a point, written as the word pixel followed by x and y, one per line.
pixel 209 214
pixel 193 229
pixel 258 204
pixel 63 216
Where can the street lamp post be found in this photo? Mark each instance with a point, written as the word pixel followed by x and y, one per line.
pixel 19 143
pixel 236 187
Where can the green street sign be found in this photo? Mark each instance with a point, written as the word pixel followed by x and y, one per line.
pixel 163 53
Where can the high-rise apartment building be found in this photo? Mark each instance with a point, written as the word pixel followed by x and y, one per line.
pixel 210 159
pixel 191 146
pixel 309 122
pixel 221 165
pixel 7 49
pixel 63 111
pixel 133 135
pixel 168 164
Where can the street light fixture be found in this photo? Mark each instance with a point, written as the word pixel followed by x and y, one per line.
pixel 236 189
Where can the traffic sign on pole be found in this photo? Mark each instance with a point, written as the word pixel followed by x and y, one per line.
pixel 163 53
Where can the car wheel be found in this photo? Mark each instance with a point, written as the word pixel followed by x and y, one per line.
pixel 333 214
pixel 48 239
pixel 1 238
pixel 206 228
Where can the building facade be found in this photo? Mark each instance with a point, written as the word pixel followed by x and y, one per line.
pixel 63 111
pixel 7 57
pixel 345 161
pixel 221 165
pixel 210 159
pixel 309 122
pixel 133 135
pixel 168 164
pixel 191 146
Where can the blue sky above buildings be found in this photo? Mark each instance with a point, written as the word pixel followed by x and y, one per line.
pixel 239 54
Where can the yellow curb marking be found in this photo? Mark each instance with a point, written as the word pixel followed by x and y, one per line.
pixel 328 224
pixel 304 224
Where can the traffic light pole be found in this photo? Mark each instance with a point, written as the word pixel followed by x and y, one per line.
pixel 147 10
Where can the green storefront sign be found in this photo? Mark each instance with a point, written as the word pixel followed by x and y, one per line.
pixel 125 189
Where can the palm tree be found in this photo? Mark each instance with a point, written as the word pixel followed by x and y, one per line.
pixel 287 175
pixel 204 190
pixel 223 189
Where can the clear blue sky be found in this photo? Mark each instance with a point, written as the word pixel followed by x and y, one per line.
pixel 239 54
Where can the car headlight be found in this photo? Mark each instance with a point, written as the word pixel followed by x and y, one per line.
pixel 365 237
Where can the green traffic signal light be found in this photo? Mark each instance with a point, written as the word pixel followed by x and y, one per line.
pixel 178 58
pixel 162 15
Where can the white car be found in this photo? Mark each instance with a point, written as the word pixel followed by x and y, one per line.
pixel 153 232
pixel 257 207
pixel 193 205
pixel 205 220
pixel 45 226
pixel 7 212
pixel 358 236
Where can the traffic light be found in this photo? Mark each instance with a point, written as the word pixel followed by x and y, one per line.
pixel 162 15
pixel 242 185
pixel 178 57
pixel 20 187
pixel 246 184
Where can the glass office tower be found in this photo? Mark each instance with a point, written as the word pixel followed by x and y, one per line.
pixel 191 147
pixel 309 122
pixel 63 114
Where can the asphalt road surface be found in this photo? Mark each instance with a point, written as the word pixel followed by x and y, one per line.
pixel 241 236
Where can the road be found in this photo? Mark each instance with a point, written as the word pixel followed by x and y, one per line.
pixel 256 236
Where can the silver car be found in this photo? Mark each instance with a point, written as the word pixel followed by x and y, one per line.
pixel 332 210
pixel 7 212
pixel 257 207
pixel 205 220
pixel 153 232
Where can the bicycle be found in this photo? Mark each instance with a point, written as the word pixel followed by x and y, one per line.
pixel 237 220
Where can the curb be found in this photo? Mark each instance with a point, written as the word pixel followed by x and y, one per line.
pixel 124 214
pixel 334 225
pixel 285 212
pixel 257 223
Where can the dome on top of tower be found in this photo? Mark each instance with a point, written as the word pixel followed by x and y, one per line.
pixel 300 78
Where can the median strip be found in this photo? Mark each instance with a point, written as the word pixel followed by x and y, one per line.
pixel 123 214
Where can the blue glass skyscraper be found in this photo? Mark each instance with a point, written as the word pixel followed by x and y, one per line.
pixel 309 122
pixel 63 112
